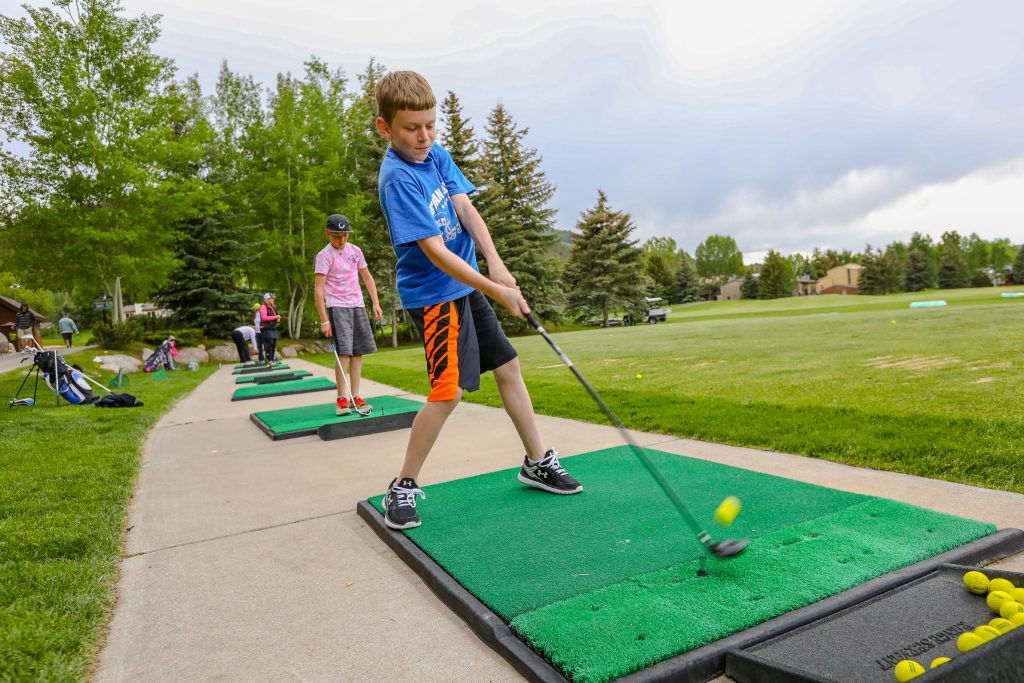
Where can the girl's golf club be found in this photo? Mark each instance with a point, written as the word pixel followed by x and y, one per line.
pixel 724 548
pixel 364 411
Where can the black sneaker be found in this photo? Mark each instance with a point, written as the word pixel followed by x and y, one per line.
pixel 400 504
pixel 548 475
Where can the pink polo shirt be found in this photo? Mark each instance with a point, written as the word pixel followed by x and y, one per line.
pixel 341 289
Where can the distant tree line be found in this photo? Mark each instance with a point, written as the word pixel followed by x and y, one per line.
pixel 137 181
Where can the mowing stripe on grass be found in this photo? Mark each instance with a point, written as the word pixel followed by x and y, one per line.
pixel 604 583
pixel 299 386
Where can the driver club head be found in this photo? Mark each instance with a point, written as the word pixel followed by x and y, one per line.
pixel 729 547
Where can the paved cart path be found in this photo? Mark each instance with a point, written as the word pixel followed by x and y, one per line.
pixel 245 559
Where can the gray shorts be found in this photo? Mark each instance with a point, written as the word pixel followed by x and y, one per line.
pixel 351 332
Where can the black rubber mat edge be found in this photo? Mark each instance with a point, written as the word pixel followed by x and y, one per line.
pixel 368 425
pixel 261 368
pixel 696 666
pixel 259 380
pixel 487 625
pixel 284 393
pixel 279 436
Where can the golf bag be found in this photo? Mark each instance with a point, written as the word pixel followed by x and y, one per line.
pixel 66 380
pixel 162 357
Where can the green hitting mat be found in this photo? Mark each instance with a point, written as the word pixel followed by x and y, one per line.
pixel 389 412
pixel 298 386
pixel 255 369
pixel 607 582
pixel 272 377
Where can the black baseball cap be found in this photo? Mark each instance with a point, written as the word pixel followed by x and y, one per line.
pixel 338 223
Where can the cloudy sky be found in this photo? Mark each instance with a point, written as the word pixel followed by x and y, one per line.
pixel 787 125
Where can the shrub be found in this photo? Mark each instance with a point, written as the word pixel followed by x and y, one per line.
pixel 116 336
pixel 185 336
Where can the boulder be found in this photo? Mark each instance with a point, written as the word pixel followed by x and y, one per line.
pixel 5 346
pixel 196 353
pixel 224 353
pixel 290 351
pixel 146 353
pixel 119 362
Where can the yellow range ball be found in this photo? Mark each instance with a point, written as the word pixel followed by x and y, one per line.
pixel 986 632
pixel 995 599
pixel 1017 620
pixel 1001 625
pixel 976 582
pixel 727 511
pixel 1018 595
pixel 968 641
pixel 1009 608
pixel 907 669
pixel 639 376
pixel 938 661
pixel 1000 585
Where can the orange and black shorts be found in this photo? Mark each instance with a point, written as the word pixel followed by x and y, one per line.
pixel 462 339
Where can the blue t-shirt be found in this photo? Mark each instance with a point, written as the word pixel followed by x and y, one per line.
pixel 416 199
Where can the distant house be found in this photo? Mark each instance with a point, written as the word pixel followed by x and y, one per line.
pixel 844 279
pixel 146 310
pixel 805 284
pixel 730 290
pixel 8 307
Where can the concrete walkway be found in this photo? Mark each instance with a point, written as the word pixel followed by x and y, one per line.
pixel 245 560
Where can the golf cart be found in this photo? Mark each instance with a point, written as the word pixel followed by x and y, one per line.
pixel 655 313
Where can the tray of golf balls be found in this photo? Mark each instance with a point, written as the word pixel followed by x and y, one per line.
pixel 955 624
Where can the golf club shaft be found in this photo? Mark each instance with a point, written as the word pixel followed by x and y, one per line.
pixel 702 534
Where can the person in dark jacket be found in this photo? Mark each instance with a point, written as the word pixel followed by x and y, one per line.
pixel 25 322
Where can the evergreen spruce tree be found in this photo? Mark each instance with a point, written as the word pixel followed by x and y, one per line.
pixel 204 292
pixel 953 271
pixel 881 274
pixel 687 282
pixel 777 277
pixel 514 202
pixel 459 139
pixel 917 273
pixel 605 271
pixel 749 286
pixel 1018 267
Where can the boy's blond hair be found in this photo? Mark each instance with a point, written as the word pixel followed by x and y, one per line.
pixel 402 90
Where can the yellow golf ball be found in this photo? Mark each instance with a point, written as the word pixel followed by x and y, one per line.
pixel 1018 595
pixel 1000 585
pixel 1017 620
pixel 639 376
pixel 938 661
pixel 727 511
pixel 1009 608
pixel 986 632
pixel 968 641
pixel 995 599
pixel 976 582
pixel 1001 625
pixel 907 669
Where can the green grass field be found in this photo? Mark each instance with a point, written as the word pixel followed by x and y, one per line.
pixel 866 381
pixel 66 477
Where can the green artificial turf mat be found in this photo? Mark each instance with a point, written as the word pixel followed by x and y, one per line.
pixel 258 369
pixel 309 418
pixel 251 379
pixel 299 386
pixel 605 583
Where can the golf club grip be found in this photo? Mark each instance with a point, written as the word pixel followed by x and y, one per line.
pixel 637 451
